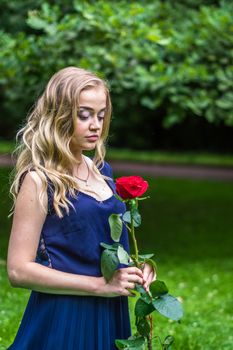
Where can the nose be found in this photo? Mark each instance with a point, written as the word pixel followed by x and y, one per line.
pixel 95 123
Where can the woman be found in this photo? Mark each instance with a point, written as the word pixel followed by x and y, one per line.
pixel 62 201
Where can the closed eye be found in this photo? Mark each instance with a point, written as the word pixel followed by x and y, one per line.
pixel 83 117
pixel 85 114
pixel 101 115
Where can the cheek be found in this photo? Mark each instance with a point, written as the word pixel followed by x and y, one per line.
pixel 80 129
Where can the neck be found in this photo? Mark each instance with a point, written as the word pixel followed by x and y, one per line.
pixel 82 170
pixel 78 155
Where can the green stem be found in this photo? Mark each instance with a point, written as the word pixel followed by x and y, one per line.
pixel 134 241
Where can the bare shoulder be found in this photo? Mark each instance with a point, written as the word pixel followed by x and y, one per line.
pixel 29 193
pixel 29 217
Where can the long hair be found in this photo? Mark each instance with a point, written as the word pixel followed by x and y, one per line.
pixel 44 143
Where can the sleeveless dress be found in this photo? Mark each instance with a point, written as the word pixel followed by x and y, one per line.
pixel 72 244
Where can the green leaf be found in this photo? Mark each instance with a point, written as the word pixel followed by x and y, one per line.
pixel 135 343
pixel 144 256
pixel 142 198
pixel 143 327
pixel 144 294
pixel 131 263
pixel 132 291
pixel 158 288
pixel 143 309
pixel 168 341
pixel 168 306
pixel 127 218
pixel 35 22
pixel 109 263
pixel 136 216
pixel 123 256
pixel 115 223
pixel 139 288
pixel 109 246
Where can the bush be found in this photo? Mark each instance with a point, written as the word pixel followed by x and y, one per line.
pixel 163 60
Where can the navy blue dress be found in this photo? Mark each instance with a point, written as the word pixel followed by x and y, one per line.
pixel 72 244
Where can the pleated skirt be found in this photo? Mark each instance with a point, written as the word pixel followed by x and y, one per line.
pixel 67 322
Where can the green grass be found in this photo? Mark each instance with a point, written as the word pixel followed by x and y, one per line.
pixel 188 225
pixel 6 146
pixel 157 157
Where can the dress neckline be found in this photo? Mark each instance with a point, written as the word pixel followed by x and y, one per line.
pixel 95 199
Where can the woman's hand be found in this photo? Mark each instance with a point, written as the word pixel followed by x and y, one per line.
pixel 121 282
pixel 149 275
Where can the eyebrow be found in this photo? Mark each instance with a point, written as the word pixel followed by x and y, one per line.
pixel 91 109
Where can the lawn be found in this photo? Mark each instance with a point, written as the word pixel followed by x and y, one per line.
pixel 156 157
pixel 188 225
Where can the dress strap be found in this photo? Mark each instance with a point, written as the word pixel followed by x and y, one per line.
pixel 50 194
pixel 106 169
pixel 21 179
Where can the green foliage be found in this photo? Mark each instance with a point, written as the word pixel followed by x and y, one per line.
pixel 127 218
pixel 158 288
pixel 133 343
pixel 111 257
pixel 168 341
pixel 136 217
pixel 109 263
pixel 143 327
pixel 122 255
pixel 168 58
pixel 144 295
pixel 168 306
pixel 142 308
pixel 115 223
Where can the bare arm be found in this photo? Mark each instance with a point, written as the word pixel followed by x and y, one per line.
pixel 24 272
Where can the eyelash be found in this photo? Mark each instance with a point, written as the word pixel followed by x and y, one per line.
pixel 85 118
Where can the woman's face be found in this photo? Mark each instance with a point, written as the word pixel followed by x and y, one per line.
pixel 92 107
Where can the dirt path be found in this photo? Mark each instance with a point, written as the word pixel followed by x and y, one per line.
pixel 159 170
pixel 173 170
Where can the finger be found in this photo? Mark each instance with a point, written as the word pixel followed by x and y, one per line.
pixel 134 270
pixel 146 271
pixel 149 279
pixel 135 278
pixel 130 286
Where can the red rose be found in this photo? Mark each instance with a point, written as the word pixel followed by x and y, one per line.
pixel 129 187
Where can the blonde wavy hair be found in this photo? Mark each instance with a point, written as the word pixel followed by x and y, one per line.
pixel 43 144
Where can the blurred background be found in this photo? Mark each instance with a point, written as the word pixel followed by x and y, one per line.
pixel 169 65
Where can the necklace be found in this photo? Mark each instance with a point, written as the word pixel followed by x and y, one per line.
pixel 88 173
pixel 89 187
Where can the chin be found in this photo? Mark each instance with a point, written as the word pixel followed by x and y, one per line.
pixel 89 147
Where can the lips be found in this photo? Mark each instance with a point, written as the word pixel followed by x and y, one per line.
pixel 92 137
